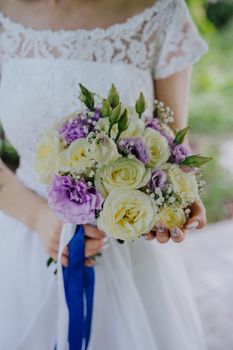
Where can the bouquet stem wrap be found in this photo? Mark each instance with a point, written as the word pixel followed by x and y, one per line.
pixel 79 292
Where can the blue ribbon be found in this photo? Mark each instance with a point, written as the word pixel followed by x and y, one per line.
pixel 79 291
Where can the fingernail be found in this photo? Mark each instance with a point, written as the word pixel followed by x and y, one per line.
pixel 106 246
pixel 175 232
pixel 192 226
pixel 160 228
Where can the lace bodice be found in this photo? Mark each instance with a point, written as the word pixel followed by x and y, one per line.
pixel 41 69
pixel 161 38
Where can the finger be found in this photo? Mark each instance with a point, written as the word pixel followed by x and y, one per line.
pixel 93 246
pixel 66 251
pixel 92 252
pixel 196 222
pixel 197 219
pixel 90 262
pixel 64 260
pixel 93 232
pixel 162 234
pixel 149 236
pixel 53 246
pixel 177 235
pixel 53 254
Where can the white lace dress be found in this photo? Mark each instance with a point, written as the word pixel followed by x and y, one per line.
pixel 142 296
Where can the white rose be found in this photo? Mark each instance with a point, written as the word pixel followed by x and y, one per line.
pixel 75 157
pixel 122 174
pixel 158 147
pixel 136 125
pixel 103 149
pixel 46 153
pixel 127 214
pixel 184 184
pixel 172 217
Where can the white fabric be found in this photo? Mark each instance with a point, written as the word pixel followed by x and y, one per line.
pixel 142 297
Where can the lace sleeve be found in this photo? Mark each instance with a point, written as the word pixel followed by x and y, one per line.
pixel 182 45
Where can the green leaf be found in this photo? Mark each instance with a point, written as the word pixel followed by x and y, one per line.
pixel 106 109
pixel 87 97
pixel 195 161
pixel 180 136
pixel 120 241
pixel 49 261
pixel 113 97
pixel 140 105
pixel 115 115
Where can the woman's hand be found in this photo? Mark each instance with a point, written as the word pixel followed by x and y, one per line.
pixel 197 220
pixel 49 229
pixel 94 243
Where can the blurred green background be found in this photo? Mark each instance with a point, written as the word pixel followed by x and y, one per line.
pixel 211 106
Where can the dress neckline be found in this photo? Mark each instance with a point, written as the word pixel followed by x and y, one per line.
pixel 9 23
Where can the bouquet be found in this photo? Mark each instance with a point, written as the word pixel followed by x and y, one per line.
pixel 119 166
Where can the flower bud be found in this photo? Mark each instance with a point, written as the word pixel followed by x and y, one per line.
pixel 106 109
pixel 123 122
pixel 113 97
pixel 115 115
pixel 140 105
pixel 87 97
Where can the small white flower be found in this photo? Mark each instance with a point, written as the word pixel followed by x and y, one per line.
pixel 172 200
pixel 158 192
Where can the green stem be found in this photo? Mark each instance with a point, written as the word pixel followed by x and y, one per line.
pixel 118 136
pixel 109 130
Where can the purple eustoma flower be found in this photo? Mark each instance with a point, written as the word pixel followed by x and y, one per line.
pixel 158 180
pixel 79 126
pixel 73 200
pixel 179 153
pixel 154 123
pixel 136 147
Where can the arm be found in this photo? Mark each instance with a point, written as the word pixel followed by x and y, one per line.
pixel 19 202
pixel 174 92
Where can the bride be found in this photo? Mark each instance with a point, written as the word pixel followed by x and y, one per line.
pixel 47 47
